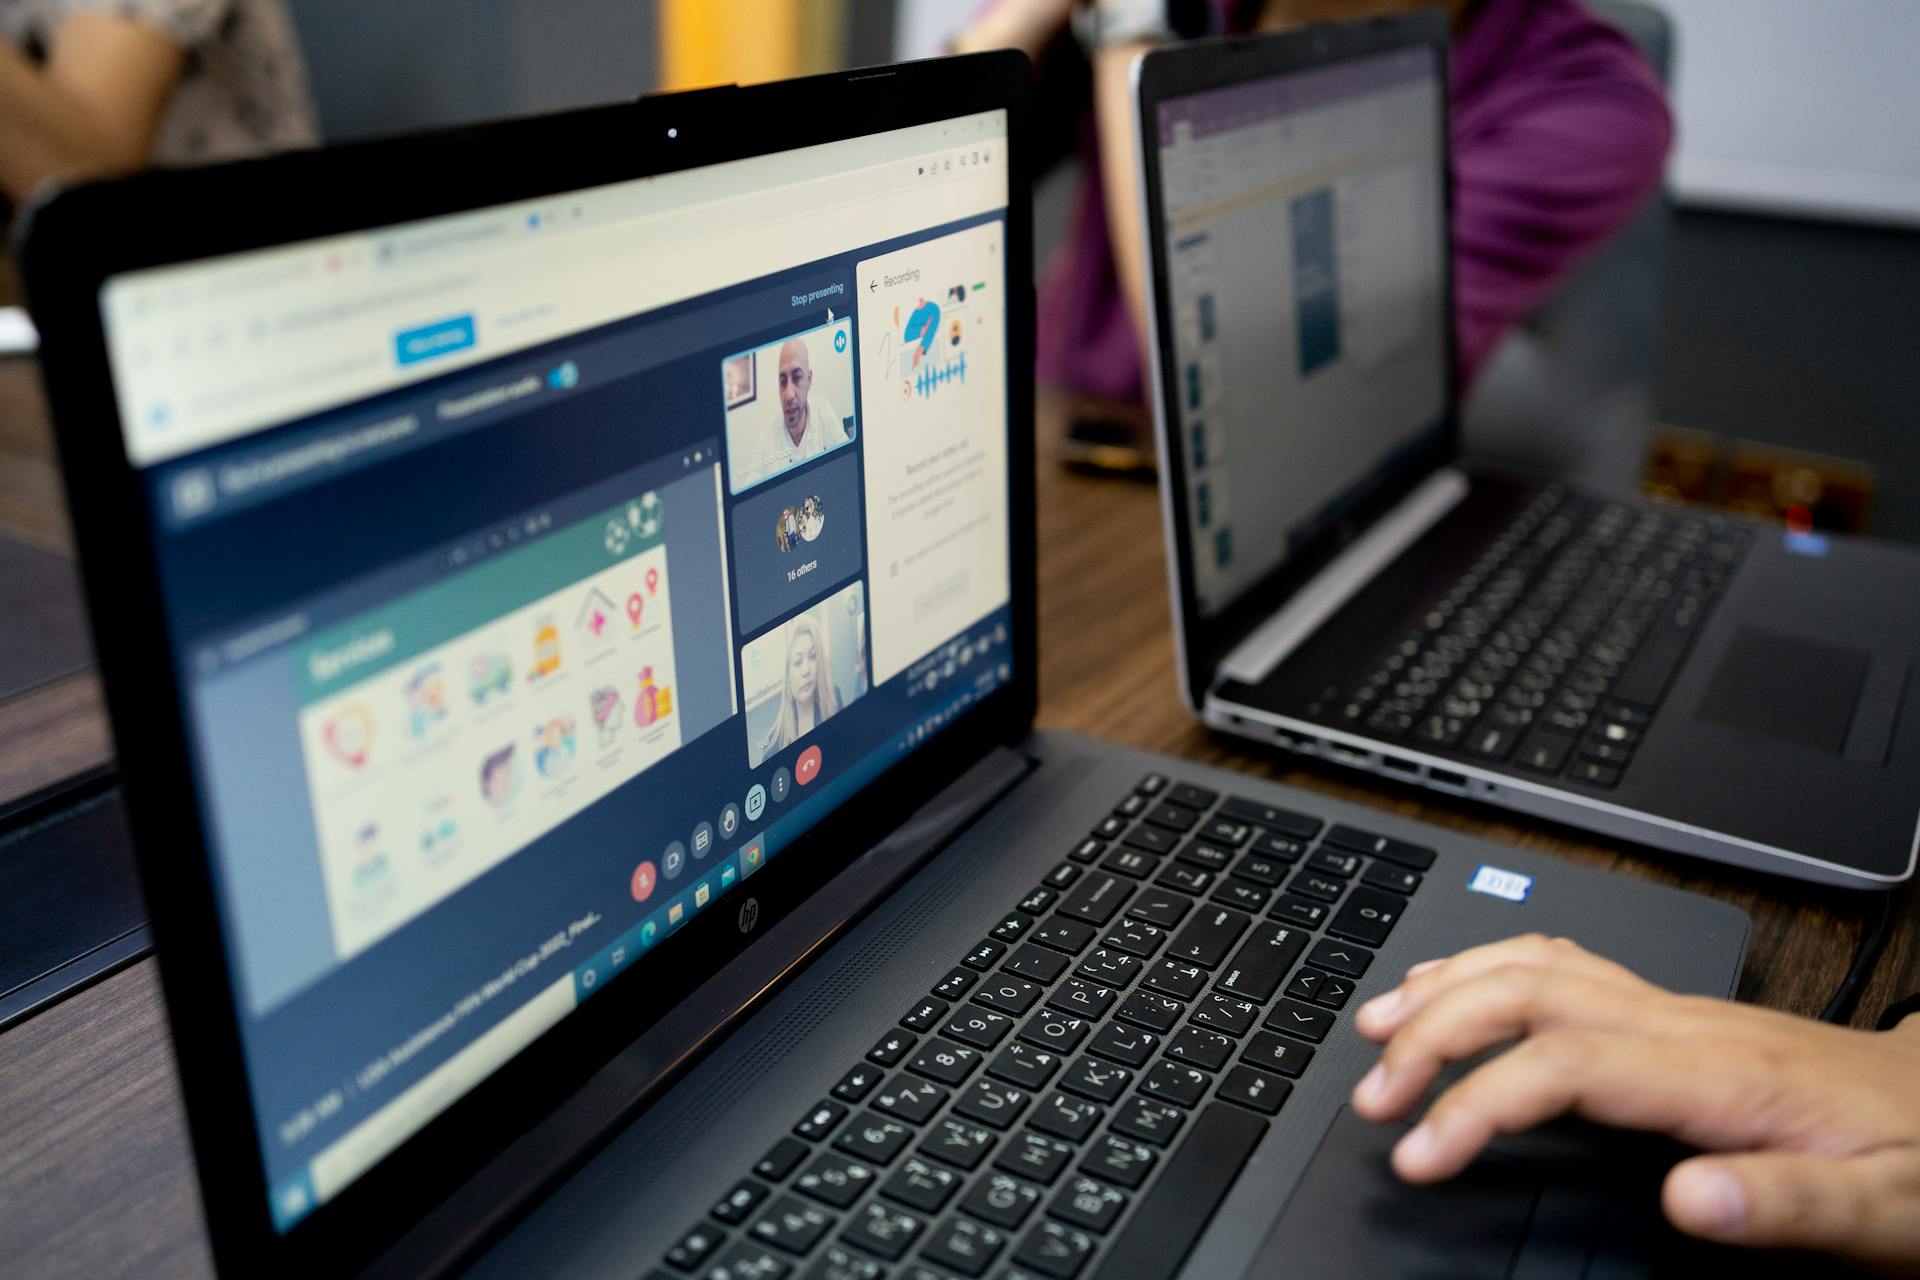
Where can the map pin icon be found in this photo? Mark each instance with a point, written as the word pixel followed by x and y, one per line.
pixel 653 581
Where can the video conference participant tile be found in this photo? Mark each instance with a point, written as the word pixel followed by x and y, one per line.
pixel 788 402
pixel 804 672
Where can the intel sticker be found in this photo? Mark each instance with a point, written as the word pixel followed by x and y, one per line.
pixel 1510 885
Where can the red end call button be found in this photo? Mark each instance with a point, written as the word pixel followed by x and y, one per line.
pixel 642 885
pixel 807 767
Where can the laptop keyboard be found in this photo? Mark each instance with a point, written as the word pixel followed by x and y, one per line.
pixel 1553 651
pixel 1099 1068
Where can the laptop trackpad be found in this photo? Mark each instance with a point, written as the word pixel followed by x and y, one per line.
pixel 1544 1206
pixel 1787 688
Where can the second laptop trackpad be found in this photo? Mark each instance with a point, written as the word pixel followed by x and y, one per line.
pixel 1786 688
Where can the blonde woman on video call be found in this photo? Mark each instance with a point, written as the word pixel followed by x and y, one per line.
pixel 807 695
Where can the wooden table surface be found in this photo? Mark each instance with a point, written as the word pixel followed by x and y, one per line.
pixel 95 1174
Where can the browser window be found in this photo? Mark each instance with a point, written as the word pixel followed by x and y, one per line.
pixel 537 574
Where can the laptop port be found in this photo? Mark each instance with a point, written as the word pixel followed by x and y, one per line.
pixel 1346 755
pixel 1397 765
pixel 1447 778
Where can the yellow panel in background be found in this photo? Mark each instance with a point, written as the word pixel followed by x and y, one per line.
pixel 705 42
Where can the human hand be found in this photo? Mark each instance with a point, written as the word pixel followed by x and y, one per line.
pixel 1812 1132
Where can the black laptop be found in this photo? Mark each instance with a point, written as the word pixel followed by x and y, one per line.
pixel 1347 587
pixel 565 590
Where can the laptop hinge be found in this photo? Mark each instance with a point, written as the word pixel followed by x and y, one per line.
pixel 1255 657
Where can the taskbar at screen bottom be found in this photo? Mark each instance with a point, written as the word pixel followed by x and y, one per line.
pixel 343 1161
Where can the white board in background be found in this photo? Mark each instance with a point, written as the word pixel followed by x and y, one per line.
pixel 1808 107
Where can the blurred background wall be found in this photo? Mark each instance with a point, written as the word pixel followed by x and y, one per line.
pixel 1792 283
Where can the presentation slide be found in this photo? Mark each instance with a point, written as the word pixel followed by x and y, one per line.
pixel 934 382
pixel 446 730
pixel 788 402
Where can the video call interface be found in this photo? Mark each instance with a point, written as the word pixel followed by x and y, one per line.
pixel 484 715
pixel 1312 367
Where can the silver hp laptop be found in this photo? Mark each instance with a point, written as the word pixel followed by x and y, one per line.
pixel 566 597
pixel 1346 586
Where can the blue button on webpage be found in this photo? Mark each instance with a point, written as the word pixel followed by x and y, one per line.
pixel 411 346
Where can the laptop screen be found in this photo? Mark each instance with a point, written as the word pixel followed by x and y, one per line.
pixel 1305 221
pixel 537 574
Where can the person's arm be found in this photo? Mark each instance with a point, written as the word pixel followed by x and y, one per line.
pixel 1113 108
pixel 93 108
pixel 1811 1132
pixel 1027 25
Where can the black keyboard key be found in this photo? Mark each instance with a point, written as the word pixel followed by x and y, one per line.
pixel 1007 994
pixel 1646 680
pixel 1175 1082
pixel 1185 793
pixel 892 1047
pixel 1284 821
pixel 873 1138
pixel 1174 817
pixel 1407 854
pixel 1226 831
pixel 1262 963
pixel 1109 827
pixel 1368 917
pixel 1001 1199
pixel 926 1015
pixel 1334 992
pixel 992 1103
pixel 835 1263
pixel 1241 896
pixel 1152 785
pixel 1160 906
pixel 1109 968
pixel 1034 1155
pixel 1036 964
pixel 1061 876
pixel 1333 862
pixel 835 1180
pixel 857 1084
pixel 1149 1121
pixel 1181 981
pixel 1133 805
pixel 1154 840
pixel 1304 912
pixel 921 1184
pixel 1087 850
pixel 1206 855
pixel 1222 1013
pixel 1062 934
pixel 1208 937
pixel 819 1122
pixel 1054 1250
pixel 747 1258
pixel 1095 1080
pixel 955 984
pixel 780 1159
pixel 984 956
pixel 1154 1012
pixel 882 1230
pixel 1185 879
pixel 944 1061
pixel 1065 1116
pixel 1130 862
pixel 1011 929
pixel 1279 847
pixel 1606 753
pixel 959 1143
pixel 694 1248
pixel 1128 1046
pixel 963 1246
pixel 1171 1216
pixel 1255 1089
pixel 734 1207
pixel 1261 870
pixel 1136 938
pixel 1270 1052
pixel 791 1225
pixel 1302 1020
pixel 905 1098
pixel 1306 984
pixel 1037 901
pixel 1380 875
pixel 1024 1065
pixel 1544 751
pixel 1490 741
pixel 1058 1032
pixel 982 1028
pixel 1340 957
pixel 1096 898
pixel 1594 774
pixel 1120 1160
pixel 1311 884
pixel 1201 1047
pixel 1083 999
pixel 1087 1202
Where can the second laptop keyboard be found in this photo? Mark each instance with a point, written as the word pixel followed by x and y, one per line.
pixel 1552 652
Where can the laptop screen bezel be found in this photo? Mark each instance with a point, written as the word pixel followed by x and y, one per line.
pixel 1178 72
pixel 78 239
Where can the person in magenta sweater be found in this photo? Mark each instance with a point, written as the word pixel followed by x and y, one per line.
pixel 1560 133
